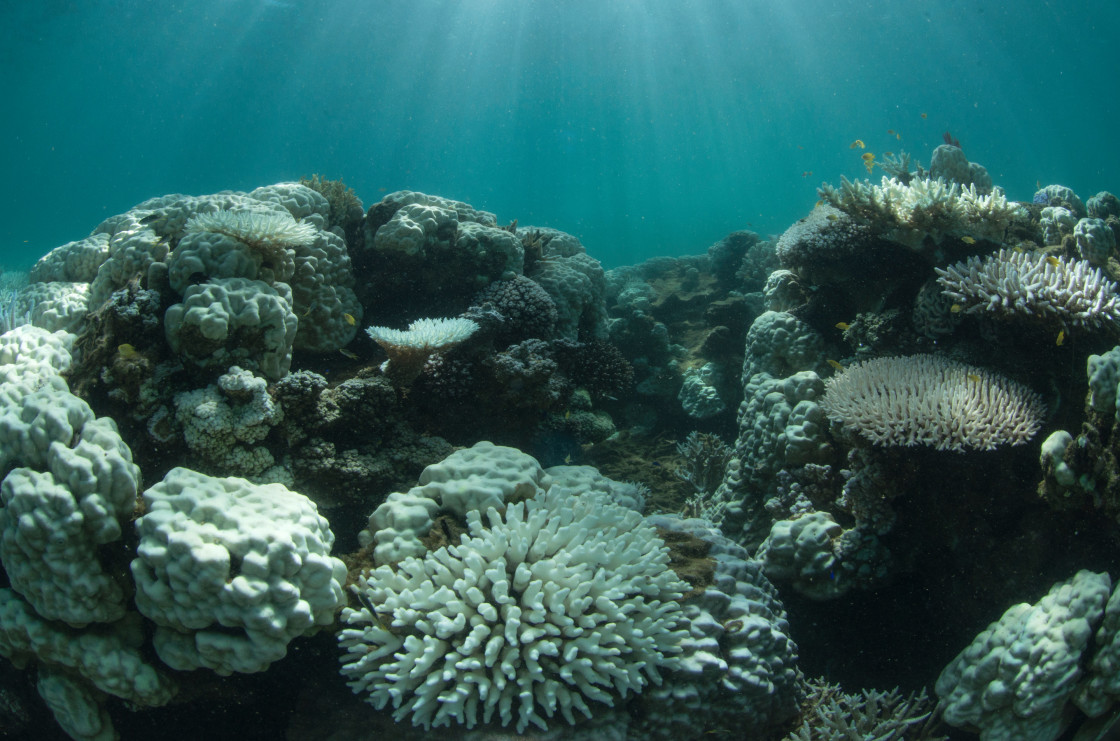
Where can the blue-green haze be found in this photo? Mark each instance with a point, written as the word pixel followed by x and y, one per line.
pixel 644 127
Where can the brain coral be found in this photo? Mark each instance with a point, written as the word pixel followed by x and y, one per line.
pixel 560 601
pixel 928 400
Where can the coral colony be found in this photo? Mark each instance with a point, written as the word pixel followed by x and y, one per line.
pixel 193 428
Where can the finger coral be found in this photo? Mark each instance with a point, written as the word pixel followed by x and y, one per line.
pixel 562 600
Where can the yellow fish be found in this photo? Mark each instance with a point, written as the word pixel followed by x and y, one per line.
pixel 835 365
pixel 925 116
pixel 857 143
pixel 1061 338
pixel 890 131
pixel 1053 261
pixel 898 136
pixel 974 378
pixel 348 353
pixel 888 154
pixel 868 161
pixel 968 240
pixel 833 217
pixel 349 319
pixel 842 326
pixel 820 202
pixel 955 308
pixel 127 351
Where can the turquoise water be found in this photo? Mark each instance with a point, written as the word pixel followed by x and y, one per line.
pixel 645 128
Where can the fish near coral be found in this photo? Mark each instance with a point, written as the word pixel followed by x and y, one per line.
pixel 868 161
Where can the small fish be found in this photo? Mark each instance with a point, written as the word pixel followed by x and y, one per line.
pixel 857 143
pixel 974 378
pixel 833 217
pixel 835 364
pixel 842 326
pixel 924 116
pixel 955 309
pixel 349 319
pixel 819 203
pixel 1053 260
pixel 1017 248
pixel 868 161
pixel 888 154
pixel 890 131
pixel 898 136
pixel 807 173
pixel 1061 338
pixel 306 312
pixel 567 413
pixel 127 351
pixel 1038 185
pixel 968 240
pixel 348 353
pixel 568 459
pixel 867 156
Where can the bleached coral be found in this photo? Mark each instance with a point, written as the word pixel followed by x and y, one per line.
pixel 408 349
pixel 563 600
pixel 1014 680
pixel 923 209
pixel 231 571
pixel 264 230
pixel 1017 284
pixel 928 400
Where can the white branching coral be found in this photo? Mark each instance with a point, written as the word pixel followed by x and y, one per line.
pixel 928 400
pixel 264 230
pixel 1019 284
pixel 563 600
pixel 408 349
pixel 910 213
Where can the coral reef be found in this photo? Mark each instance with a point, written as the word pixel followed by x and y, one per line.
pixel 880 367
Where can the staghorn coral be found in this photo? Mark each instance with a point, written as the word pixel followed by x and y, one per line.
pixel 1019 285
pixel 928 400
pixel 705 459
pixel 870 715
